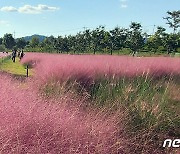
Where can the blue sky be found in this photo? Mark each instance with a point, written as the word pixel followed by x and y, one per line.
pixel 63 17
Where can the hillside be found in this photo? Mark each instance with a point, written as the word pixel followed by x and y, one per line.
pixel 41 37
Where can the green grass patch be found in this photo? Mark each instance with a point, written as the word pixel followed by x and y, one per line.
pixel 14 68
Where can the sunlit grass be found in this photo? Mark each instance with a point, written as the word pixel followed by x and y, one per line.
pixel 14 68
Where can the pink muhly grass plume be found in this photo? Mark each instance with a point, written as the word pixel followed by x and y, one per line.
pixel 3 54
pixel 31 124
pixel 90 67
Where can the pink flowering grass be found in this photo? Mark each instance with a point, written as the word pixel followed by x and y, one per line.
pixel 88 67
pixel 31 124
pixel 3 54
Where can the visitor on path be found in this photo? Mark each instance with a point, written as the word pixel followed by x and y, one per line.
pixel 22 54
pixel 19 53
pixel 14 56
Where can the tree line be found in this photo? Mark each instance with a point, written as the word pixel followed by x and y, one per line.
pixel 101 40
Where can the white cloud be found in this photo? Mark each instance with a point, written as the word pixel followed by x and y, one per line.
pixel 123 0
pixel 29 9
pixel 124 6
pixel 45 7
pixel 9 9
pixel 36 9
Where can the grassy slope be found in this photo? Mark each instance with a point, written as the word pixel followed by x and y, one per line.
pixel 14 68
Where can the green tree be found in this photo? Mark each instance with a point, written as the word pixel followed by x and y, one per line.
pixel 107 42
pixel 2 48
pixel 87 39
pixel 58 44
pixel 49 41
pixel 8 41
pixel 97 42
pixel 173 19
pixel 118 38
pixel 65 45
pixel 157 40
pixel 80 42
pixel 62 44
pixel 21 43
pixel 135 40
pixel 34 42
pixel 1 41
pixel 48 44
pixel 72 43
pixel 172 42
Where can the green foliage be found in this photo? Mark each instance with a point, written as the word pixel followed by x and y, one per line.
pixel 102 41
pixel 8 41
pixel 178 49
pixel 173 19
pixel 14 68
pixel 2 48
pixel 20 43
pixel 135 40
pixel 34 42
pixel 148 101
pixel 118 38
pixel 172 42
pixel 1 41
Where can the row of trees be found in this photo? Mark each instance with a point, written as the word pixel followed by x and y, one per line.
pixel 8 42
pixel 102 40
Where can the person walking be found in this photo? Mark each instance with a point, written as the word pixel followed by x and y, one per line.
pixel 22 54
pixel 13 56
pixel 19 53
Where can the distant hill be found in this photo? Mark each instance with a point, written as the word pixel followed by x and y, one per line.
pixel 41 37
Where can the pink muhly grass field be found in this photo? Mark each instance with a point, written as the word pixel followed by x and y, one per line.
pixel 3 54
pixel 31 124
pixel 85 67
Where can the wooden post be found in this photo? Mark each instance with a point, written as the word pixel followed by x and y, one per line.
pixel 27 71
